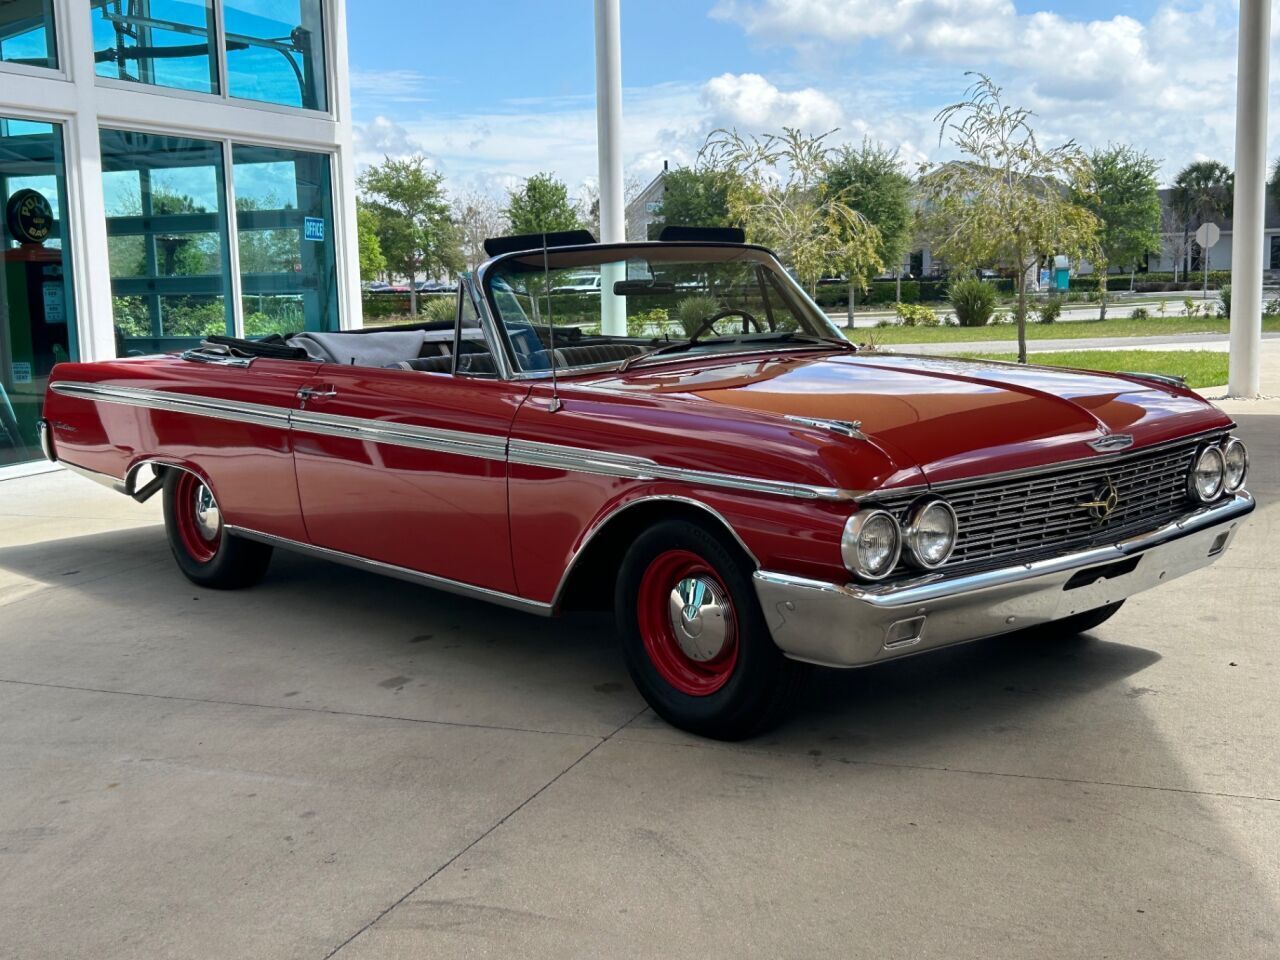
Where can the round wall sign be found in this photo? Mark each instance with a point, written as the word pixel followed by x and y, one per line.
pixel 30 217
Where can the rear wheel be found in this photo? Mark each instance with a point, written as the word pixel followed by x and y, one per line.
pixel 693 637
pixel 206 553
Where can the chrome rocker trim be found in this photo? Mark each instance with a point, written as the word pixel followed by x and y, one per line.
pixel 399 573
pixel 853 625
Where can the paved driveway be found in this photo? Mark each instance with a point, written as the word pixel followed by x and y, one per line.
pixel 335 763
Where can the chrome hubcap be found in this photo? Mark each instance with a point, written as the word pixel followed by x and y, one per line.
pixel 698 618
pixel 208 517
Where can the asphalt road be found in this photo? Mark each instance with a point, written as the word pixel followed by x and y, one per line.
pixel 334 763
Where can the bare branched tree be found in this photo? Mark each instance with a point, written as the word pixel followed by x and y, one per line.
pixel 478 216
pixel 779 192
pixel 1006 202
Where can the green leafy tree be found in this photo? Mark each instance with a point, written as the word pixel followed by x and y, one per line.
pixel 415 231
pixel 1202 191
pixel 871 180
pixel 1006 203
pixel 372 262
pixel 1122 191
pixel 696 198
pixel 778 193
pixel 541 205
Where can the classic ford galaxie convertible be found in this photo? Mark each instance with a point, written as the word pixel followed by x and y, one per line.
pixel 687 439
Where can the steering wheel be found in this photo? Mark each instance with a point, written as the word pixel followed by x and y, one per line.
pixel 709 325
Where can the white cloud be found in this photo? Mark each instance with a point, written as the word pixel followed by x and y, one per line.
pixel 749 100
pixel 381 137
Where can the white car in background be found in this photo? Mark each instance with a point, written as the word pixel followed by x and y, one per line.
pixel 579 283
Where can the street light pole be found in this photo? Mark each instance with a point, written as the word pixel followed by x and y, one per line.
pixel 1253 67
pixel 613 227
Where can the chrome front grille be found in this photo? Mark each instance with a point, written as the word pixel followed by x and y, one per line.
pixel 1039 515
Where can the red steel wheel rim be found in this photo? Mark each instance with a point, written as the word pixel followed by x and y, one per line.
pixel 198 519
pixel 687 622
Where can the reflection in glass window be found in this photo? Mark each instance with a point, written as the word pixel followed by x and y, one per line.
pixel 275 51
pixel 284 222
pixel 26 33
pixel 37 322
pixel 166 240
pixel 169 43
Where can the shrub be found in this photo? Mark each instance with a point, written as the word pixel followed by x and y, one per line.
pixel 436 309
pixel 692 311
pixel 973 301
pixel 1224 300
pixel 1271 308
pixel 1048 310
pixel 913 314
pixel 1190 307
pixel 1140 313
pixel 647 323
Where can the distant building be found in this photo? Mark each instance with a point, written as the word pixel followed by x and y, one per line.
pixel 645 209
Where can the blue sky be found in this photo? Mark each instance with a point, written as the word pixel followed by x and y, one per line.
pixel 495 97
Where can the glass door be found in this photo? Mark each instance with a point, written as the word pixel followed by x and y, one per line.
pixel 37 310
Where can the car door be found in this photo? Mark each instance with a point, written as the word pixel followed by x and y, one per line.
pixel 408 467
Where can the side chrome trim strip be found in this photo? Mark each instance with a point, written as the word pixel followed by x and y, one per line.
pixel 482 446
pixel 255 413
pixel 400 434
pixel 579 460
pixel 400 573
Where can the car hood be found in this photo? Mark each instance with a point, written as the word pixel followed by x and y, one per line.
pixel 951 418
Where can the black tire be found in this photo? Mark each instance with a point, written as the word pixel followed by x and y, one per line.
pixel 220 561
pixel 726 697
pixel 1082 622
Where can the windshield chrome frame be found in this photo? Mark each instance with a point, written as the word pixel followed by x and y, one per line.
pixel 755 253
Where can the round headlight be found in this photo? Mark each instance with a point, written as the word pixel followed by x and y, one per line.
pixel 871 544
pixel 1236 458
pixel 1207 475
pixel 931 533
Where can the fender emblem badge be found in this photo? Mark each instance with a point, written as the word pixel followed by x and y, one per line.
pixel 1105 500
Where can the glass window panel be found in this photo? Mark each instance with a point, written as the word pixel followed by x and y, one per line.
pixel 166 240
pixel 169 43
pixel 275 51
pixel 37 309
pixel 284 216
pixel 26 33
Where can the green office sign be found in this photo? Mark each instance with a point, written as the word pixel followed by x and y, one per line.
pixel 29 216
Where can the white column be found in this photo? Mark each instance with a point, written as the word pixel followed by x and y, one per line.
pixel 347 241
pixel 1253 67
pixel 613 219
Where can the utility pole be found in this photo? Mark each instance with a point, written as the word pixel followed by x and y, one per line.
pixel 613 223
pixel 1252 69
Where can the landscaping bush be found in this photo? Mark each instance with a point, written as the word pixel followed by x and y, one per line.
pixel 648 323
pixel 1140 313
pixel 692 311
pixel 435 309
pixel 913 314
pixel 973 300
pixel 1224 300
pixel 1048 310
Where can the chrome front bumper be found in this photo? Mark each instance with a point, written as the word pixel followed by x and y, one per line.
pixel 854 625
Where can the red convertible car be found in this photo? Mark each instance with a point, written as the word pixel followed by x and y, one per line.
pixel 690 442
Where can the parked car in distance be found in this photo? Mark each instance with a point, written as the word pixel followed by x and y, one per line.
pixel 750 496
pixel 578 283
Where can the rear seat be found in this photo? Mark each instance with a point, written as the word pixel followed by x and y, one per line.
pixel 483 362
pixel 597 353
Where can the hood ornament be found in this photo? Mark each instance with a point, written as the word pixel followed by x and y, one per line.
pixel 846 428
pixel 1112 443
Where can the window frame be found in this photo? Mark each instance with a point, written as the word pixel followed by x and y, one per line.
pixel 59 11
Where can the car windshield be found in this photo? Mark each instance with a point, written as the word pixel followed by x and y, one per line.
pixel 615 305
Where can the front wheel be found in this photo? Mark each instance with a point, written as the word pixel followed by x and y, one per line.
pixel 206 553
pixel 694 639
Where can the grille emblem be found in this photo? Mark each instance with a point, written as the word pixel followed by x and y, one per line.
pixel 1105 500
pixel 1109 444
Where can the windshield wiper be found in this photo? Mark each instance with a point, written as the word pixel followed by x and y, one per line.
pixel 792 336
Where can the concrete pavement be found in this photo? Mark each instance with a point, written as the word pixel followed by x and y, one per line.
pixel 333 764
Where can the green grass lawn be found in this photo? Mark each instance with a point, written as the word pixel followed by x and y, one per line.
pixel 1066 330
pixel 1201 368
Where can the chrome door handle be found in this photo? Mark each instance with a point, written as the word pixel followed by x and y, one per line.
pixel 316 393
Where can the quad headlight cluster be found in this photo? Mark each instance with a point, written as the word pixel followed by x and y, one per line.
pixel 1219 468
pixel 874 541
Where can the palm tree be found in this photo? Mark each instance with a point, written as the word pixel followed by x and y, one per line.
pixel 1203 190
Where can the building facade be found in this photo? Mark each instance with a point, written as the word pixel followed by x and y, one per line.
pixel 169 170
